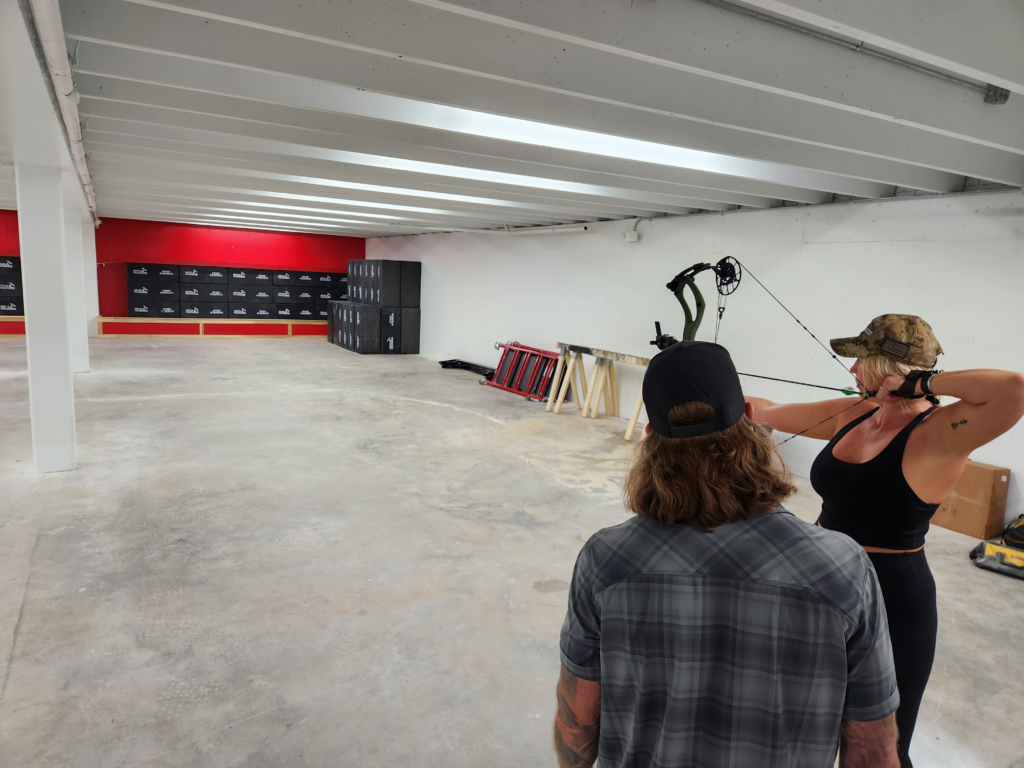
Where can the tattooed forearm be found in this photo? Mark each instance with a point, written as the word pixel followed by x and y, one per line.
pixel 956 424
pixel 582 756
pixel 578 721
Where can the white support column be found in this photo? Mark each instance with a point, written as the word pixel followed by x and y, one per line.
pixel 74 290
pixel 50 384
pixel 92 294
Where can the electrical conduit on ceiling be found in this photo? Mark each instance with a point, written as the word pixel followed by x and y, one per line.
pixel 42 19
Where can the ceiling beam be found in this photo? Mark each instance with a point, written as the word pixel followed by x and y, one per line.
pixel 980 41
pixel 426 98
pixel 107 118
pixel 424 35
pixel 675 34
pixel 186 139
pixel 115 97
pixel 122 192
pixel 241 215
pixel 211 181
pixel 242 222
pixel 143 163
pixel 309 172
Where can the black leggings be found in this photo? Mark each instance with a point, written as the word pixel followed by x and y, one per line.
pixel 909 592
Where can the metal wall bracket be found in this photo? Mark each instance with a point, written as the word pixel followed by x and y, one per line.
pixel 996 95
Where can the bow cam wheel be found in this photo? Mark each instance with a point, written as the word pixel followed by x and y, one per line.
pixel 728 273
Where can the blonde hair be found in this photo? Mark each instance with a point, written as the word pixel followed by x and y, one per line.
pixel 874 369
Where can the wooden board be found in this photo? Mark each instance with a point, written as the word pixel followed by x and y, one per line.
pixel 603 353
pixel 220 328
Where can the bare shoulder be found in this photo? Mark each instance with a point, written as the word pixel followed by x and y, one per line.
pixel 931 437
pixel 931 465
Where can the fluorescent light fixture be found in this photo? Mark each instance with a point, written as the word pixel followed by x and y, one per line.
pixel 578 230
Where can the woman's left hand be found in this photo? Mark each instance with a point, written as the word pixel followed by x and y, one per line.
pixel 887 391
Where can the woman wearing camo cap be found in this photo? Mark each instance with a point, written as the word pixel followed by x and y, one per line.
pixel 888 465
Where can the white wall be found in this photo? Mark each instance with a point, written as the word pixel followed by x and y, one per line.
pixel 958 262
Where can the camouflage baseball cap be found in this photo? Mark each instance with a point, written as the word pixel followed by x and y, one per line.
pixel 885 336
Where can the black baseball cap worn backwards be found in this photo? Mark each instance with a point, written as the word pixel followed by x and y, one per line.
pixel 693 370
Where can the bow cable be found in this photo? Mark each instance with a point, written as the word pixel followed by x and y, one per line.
pixel 831 354
pixel 819 423
pixel 728 273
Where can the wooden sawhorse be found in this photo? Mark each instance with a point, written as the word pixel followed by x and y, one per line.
pixel 602 382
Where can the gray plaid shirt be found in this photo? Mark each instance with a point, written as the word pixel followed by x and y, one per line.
pixel 743 647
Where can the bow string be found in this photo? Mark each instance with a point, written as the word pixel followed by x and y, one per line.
pixel 728 274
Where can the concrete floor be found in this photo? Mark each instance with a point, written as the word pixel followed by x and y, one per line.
pixel 278 553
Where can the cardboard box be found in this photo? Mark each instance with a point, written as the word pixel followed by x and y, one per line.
pixel 10 265
pixel 977 504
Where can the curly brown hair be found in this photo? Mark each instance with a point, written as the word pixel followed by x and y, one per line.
pixel 706 481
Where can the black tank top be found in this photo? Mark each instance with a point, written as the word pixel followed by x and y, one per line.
pixel 872 502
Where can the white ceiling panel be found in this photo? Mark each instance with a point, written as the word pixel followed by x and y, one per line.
pixel 373 117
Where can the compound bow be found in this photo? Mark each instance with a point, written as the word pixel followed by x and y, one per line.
pixel 728 273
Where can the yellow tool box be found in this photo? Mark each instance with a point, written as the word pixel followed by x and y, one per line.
pixel 1002 557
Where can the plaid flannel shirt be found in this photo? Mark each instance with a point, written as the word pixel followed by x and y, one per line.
pixel 741 647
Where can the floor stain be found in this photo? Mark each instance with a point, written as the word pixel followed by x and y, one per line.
pixel 551 585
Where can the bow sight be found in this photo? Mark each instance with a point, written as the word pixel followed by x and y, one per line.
pixel 728 273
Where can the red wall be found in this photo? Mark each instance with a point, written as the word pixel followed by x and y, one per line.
pixel 122 240
pixel 9 234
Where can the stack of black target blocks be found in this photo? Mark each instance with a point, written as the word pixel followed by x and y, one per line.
pixel 168 290
pixel 11 302
pixel 382 313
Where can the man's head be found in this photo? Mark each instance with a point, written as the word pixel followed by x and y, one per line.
pixel 704 462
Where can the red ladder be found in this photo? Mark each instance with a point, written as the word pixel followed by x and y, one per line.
pixel 527 371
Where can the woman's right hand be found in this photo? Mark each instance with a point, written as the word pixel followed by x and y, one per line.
pixel 887 389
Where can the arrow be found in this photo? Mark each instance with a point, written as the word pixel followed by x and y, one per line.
pixel 847 392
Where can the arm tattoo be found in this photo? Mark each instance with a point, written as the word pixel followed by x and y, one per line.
pixel 576 742
pixel 582 756
pixel 956 424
